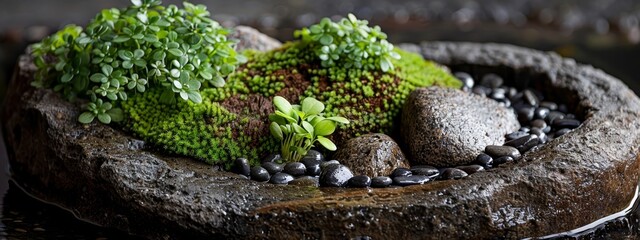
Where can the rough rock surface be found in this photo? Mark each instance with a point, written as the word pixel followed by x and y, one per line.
pixel 446 127
pixel 372 155
pixel 250 38
pixel 105 177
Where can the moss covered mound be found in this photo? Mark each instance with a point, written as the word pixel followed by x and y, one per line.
pixel 233 121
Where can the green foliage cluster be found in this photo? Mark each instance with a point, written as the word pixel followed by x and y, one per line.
pixel 349 43
pixel 128 51
pixel 298 127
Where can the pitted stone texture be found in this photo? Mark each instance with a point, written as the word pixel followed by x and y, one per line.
pixel 250 38
pixel 372 155
pixel 116 184
pixel 446 127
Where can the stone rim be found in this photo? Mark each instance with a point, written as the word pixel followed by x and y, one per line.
pixel 135 190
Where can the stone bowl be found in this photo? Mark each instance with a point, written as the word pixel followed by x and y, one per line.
pixel 109 178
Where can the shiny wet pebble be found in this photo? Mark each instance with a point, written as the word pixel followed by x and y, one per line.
pixel 281 178
pixel 241 166
pixel 359 181
pixel 327 163
pixel 484 160
pixel 260 174
pixel 274 157
pixel 312 165
pixel 471 169
pixel 381 181
pixel 315 155
pixel 496 151
pixel 502 160
pixel 295 169
pixel 425 170
pixel 400 172
pixel 272 167
pixel 565 123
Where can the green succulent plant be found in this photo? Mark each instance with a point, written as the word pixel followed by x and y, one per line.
pixel 299 127
pixel 349 42
pixel 127 51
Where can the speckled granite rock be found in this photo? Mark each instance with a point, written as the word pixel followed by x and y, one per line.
pixel 446 127
pixel 372 155
pixel 115 183
pixel 250 38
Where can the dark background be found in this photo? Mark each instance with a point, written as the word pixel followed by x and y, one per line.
pixel 603 33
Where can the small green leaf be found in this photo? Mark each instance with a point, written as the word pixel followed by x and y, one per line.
pixel 324 127
pixel 276 131
pixel 107 70
pixel 86 117
pixel 311 106
pixel 66 77
pixel 98 77
pixel 194 96
pixel 104 118
pixel 339 120
pixel 217 81
pixel 282 104
pixel 286 117
pixel 307 126
pixel 298 129
pixel 175 52
pixel 116 114
pixel 326 143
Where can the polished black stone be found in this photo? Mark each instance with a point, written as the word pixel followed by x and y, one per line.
pixel 359 181
pixel 281 178
pixel 453 173
pixel 273 167
pixel 425 170
pixel 471 169
pixel 410 180
pixel 381 181
pixel 274 157
pixel 484 160
pixel 566 123
pixel 496 151
pixel 295 169
pixel 335 175
pixel 241 166
pixel 260 174
pixel 400 172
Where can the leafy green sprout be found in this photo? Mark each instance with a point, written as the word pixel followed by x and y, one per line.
pixel 350 42
pixel 299 127
pixel 127 51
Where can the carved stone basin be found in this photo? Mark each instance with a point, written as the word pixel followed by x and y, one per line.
pixel 109 178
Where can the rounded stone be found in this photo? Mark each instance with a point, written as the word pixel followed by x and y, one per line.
pixel 410 180
pixel 335 175
pixel 453 173
pixel 359 181
pixel 381 182
pixel 447 127
pixel 272 167
pixel 373 155
pixel 471 169
pixel 281 178
pixel 295 169
pixel 312 165
pixel 500 151
pixel 260 174
pixel 274 157
pixel 327 163
pixel 484 160
pixel 241 166
pixel 313 155
pixel 425 170
pixel 401 172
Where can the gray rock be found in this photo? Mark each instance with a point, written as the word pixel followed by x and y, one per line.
pixel 372 155
pixel 250 38
pixel 163 197
pixel 446 127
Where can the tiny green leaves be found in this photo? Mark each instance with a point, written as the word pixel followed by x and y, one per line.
pixel 298 127
pixel 350 42
pixel 122 52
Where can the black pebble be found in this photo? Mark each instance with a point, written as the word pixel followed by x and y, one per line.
pixel 566 123
pixel 425 170
pixel 272 167
pixel 312 165
pixel 381 181
pixel 549 105
pixel 260 174
pixel 502 160
pixel 327 163
pixel 540 133
pixel 313 154
pixel 400 172
pixel 541 113
pixel 496 151
pixel 525 114
pixel 553 115
pixel 359 181
pixel 471 169
pixel 484 160
pixel 516 135
pixel 530 98
pixel 335 175
pixel 295 169
pixel 525 143
pixel 453 173
pixel 562 132
pixel 274 157
pixel 466 79
pixel 410 180
pixel 481 90
pixel 491 80
pixel 241 166
pixel 281 178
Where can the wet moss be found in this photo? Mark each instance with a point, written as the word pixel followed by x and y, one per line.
pixel 232 121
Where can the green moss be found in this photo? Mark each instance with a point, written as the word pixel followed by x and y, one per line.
pixel 208 131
